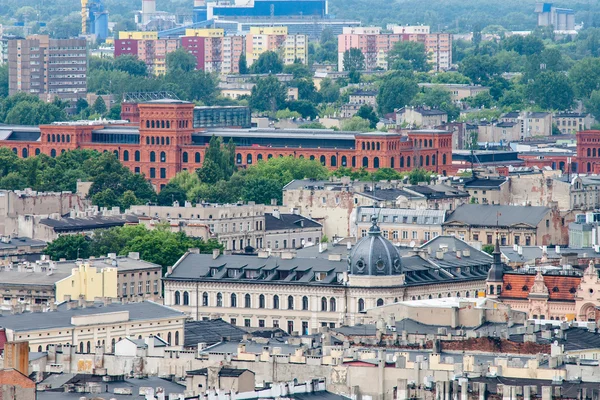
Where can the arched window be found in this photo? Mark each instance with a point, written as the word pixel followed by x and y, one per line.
pixel 323 304
pixel 401 161
pixel 89 347
pixel 219 300
pixel 39 349
pixel 37 152
pixel 125 155
pixel 376 162
pixel 365 162
pixel 344 161
pixel 163 156
pixel 249 159
pixel 238 158
pixel 589 167
pixel 169 338
pixel 368 146
pixel 430 143
pixel 152 139
pixel 233 300
pixel 260 157
pixel 81 347
pixel 184 157
pixel 261 301
pixel 322 160
pixel 68 138
pixel 24 153
pixel 152 156
pixel 168 141
pixel 168 124
pixel 14 150
pixel 162 123
pixel 247 301
pixel 594 152
pixel 205 299
pixel 380 301
pixel 589 152
pixel 276 302
pixel 177 298
pixel 197 157
pixel 443 159
pixel 176 332
pixel 271 156
pixel 408 162
pixel 153 123
pixel 332 305
pixel 58 138
pixel 392 163
pixel 311 157
pixel 290 302
pixel 62 138
pixel 136 155
pixel 147 140
pixel 186 299
pixel 112 345
pixel 433 159
pixel 353 161
pixel 305 303
pixel 333 161
pixel 147 124
pixel 52 153
pixel 421 161
pixel 361 305
pixel 372 145
pixel 426 160
pixel 378 146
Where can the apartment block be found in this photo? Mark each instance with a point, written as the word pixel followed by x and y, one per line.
pixel 48 67
pixel 146 47
pixel 275 38
pixel 376 45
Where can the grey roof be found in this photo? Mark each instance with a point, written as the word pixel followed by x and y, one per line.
pixel 288 221
pixel 530 253
pixel 424 111
pixel 251 347
pixel 123 263
pixel 389 194
pixel 32 278
pixel 454 244
pixel 374 255
pixel 485 183
pixel 16 242
pixel 97 222
pixel 20 133
pixel 60 318
pixel 396 215
pixel 225 372
pixel 134 384
pixel 278 133
pixel 210 332
pixel 492 215
pixel 438 191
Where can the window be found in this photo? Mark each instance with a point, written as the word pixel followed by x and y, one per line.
pixel 261 323
pixel 233 321
pixel 247 301
pixel 361 305
pixel 247 322
pixel 152 172
pixel 305 327
pixel 136 155
pixel 332 304
pixel 233 300
pixel 261 301
pixel 155 286
pixel 125 289
pixel 290 327
pixel 177 298
pixel 323 304
pixel 148 287
pixel 163 173
pixel 126 155
pixel 305 303
pixel 276 302
pixel 219 300
pixel 427 236
pixel 379 302
pixel 275 323
pixel 290 302
pixel 185 156
pixel 152 156
pixel 404 234
pixel 186 298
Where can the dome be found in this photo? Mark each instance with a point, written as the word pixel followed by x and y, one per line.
pixel 374 255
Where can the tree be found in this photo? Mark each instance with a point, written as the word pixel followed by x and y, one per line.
pixel 312 125
pixel 366 112
pixel 524 45
pixel 267 63
pixel 592 105
pixel 99 106
pixel 304 108
pixel 480 100
pixel 410 56
pixel 450 77
pixel 171 193
pixel 3 80
pixel 356 124
pixel 330 91
pixel 219 161
pixel 287 114
pixel 551 91
pixel 585 77
pixel 268 95
pixel 419 175
pixel 353 60
pixel 80 105
pixel 437 97
pixel 479 68
pixel 396 92
pixel 69 247
pixel 386 174
pixel 130 64
pixel 181 60
pixel 298 70
pixel 243 65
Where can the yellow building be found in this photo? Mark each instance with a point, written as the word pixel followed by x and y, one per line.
pixel 138 35
pixel 262 39
pixel 206 32
pixel 88 282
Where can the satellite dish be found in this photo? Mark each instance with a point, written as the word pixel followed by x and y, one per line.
pixel 412 243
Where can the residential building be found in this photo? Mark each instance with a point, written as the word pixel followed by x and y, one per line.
pixel 20 248
pixel 420 117
pixel 584 232
pixel 147 47
pixel 401 226
pixel 198 381
pixel 532 123
pixel 302 293
pixel 166 141
pixel 290 231
pixel 214 51
pixel 569 123
pixel 276 38
pixel 48 68
pixel 500 133
pixel 458 91
pixel 368 97
pixel 16 385
pixel 93 326
pixel 486 190
pixel 436 196
pixel 521 225
pixel 87 282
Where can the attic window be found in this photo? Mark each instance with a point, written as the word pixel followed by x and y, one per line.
pixel 508 287
pixel 525 288
pixel 213 271
pixel 572 290
pixel 555 289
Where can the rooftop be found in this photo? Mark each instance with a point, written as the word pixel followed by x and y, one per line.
pixel 278 221
pixel 497 215
pixel 78 224
pixel 210 332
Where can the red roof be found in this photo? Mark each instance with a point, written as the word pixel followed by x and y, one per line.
pixel 560 287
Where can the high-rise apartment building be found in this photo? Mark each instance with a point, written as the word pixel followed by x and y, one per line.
pixel 146 46
pixel 276 38
pixel 206 45
pixel 376 45
pixel 48 68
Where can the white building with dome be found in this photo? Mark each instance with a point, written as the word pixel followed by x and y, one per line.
pixel 313 287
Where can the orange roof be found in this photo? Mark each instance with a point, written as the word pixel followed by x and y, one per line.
pixel 560 287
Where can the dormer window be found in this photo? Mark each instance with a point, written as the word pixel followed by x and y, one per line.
pixel 232 273
pixel 214 271
pixel 319 276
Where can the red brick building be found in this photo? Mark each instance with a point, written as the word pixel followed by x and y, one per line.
pixel 172 135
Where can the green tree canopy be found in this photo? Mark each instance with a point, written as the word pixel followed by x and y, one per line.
pixel 268 95
pixel 130 64
pixel 408 56
pixel 267 63
pixel 396 92
pixel 366 112
pixel 99 106
pixel 181 60
pixel 551 91
pixel 585 76
pixel 354 60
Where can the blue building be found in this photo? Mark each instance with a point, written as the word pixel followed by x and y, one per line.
pixel 261 8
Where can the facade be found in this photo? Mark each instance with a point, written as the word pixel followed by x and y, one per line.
pixel 290 231
pixel 299 294
pixel 200 380
pixel 420 117
pixel 18 248
pixel 532 124
pixel 48 68
pixel 277 39
pixel 214 51
pixel 146 47
pixel 404 227
pixel 87 282
pixel 93 327
pixel 487 190
pixel 521 225
pixel 262 8
pixel 375 46
pixel 368 97
pixel 499 132
pixel 166 142
pixel 458 91
pixel 571 123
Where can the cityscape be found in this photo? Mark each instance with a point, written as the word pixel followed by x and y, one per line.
pixel 299 199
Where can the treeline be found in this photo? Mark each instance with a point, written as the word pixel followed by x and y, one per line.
pixel 159 245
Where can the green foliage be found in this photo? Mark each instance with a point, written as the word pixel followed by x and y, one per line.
pixel 99 106
pixel 396 92
pixel 267 63
pixel 326 51
pixel 298 70
pixel 439 98
pixel 354 60
pixel 312 125
pixel 287 114
pixel 3 80
pixel 219 161
pixel 409 56
pixel 478 68
pixel 366 112
pixel 356 124
pixel 159 246
pixel 488 248
pixel 585 76
pixel 68 247
pixel 268 95
pixel 131 65
pixel 170 194
pixel 180 60
pixel 551 91
pixel 592 105
pixel 480 100
pixel 523 45
pixel 419 175
pixel 386 174
pixel 26 109
pixel 330 91
pixel 450 77
pixel 243 65
pixel 305 108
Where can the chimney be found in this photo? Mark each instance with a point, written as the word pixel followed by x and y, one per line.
pixel 458 254
pixel 439 254
pixel 520 250
pixel 557 249
pixel 466 253
pixel 134 255
pixel 276 214
pixel 216 253
pixel 348 245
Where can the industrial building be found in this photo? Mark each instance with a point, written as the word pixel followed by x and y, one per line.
pixel 562 19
